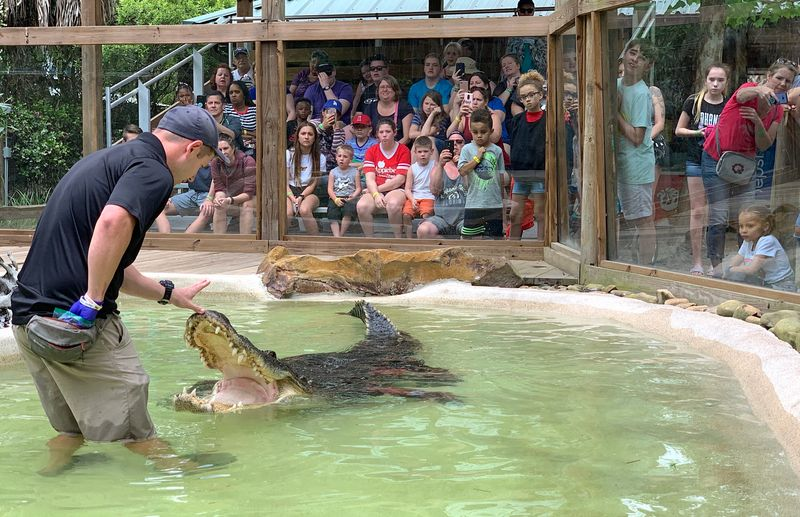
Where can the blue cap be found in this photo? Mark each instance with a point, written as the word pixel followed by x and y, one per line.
pixel 193 123
pixel 333 103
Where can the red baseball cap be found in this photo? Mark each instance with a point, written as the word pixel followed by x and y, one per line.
pixel 362 120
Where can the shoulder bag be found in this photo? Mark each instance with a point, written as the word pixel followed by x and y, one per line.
pixel 733 167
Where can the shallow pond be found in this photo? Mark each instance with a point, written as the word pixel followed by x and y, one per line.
pixel 556 417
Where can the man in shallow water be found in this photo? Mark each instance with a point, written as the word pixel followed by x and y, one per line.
pixel 80 259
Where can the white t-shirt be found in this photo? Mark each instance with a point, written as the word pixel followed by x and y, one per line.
pixel 421 189
pixel 776 267
pixel 305 168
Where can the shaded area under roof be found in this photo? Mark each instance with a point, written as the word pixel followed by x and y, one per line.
pixel 369 8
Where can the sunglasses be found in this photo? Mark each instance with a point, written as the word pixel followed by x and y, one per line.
pixel 526 10
pixel 376 68
pixel 783 61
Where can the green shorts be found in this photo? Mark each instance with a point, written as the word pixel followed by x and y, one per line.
pixel 103 396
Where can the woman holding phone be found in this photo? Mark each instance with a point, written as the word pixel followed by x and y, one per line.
pixel 748 124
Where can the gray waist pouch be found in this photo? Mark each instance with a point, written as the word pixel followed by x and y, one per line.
pixel 56 340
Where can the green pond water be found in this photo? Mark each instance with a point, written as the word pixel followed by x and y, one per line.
pixel 556 418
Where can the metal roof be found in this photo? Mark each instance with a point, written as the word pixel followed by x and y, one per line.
pixel 369 8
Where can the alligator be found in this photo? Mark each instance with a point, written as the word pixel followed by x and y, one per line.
pixel 383 363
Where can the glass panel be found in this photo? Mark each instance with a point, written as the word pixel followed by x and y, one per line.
pixel 44 137
pixel 219 199
pixel 389 80
pixel 40 129
pixel 569 167
pixel 691 76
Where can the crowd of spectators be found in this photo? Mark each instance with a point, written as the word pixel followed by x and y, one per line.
pixel 398 141
pixel 726 133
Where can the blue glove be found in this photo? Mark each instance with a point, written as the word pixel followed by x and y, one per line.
pixel 82 313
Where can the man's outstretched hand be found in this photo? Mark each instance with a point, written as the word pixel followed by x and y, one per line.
pixel 183 296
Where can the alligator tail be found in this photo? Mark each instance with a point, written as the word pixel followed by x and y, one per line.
pixel 378 325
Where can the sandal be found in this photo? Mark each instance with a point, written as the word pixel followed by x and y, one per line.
pixel 697 271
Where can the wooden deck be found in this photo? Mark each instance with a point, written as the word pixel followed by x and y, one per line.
pixel 162 261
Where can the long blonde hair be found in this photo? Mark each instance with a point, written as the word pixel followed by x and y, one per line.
pixel 698 102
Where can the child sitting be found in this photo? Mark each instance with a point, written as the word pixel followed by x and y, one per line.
pixel 344 189
pixel 761 258
pixel 419 199
pixel 362 139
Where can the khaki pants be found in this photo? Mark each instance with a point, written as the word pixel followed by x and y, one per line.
pixel 103 396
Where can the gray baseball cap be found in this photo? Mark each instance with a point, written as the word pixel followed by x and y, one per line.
pixel 193 123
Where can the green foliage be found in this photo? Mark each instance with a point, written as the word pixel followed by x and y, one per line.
pixel 744 13
pixel 47 141
pixel 165 12
pixel 741 13
pixel 29 196
pixel 122 61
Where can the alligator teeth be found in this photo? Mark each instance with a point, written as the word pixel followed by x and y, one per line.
pixel 233 352
pixel 185 391
pixel 217 329
pixel 193 393
pixel 241 359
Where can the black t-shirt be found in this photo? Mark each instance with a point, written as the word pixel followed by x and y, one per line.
pixel 709 115
pixel 134 176
pixel 368 96
pixel 528 147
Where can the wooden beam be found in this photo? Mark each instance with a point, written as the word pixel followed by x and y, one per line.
pixel 651 278
pixel 271 150
pixel 92 80
pixel 244 8
pixel 15 213
pixel 590 6
pixel 132 34
pixel 555 133
pixel 454 28
pixel 593 146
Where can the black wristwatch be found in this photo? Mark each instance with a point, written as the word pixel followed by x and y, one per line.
pixel 168 287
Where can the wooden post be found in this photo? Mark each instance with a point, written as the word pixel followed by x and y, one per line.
pixel 434 6
pixel 593 210
pixel 244 8
pixel 271 146
pixel 92 80
pixel 555 132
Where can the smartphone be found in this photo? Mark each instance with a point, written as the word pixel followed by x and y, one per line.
pixel 325 68
pixel 782 97
pixel 201 100
pixel 451 146
pixel 467 99
pixel 461 68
